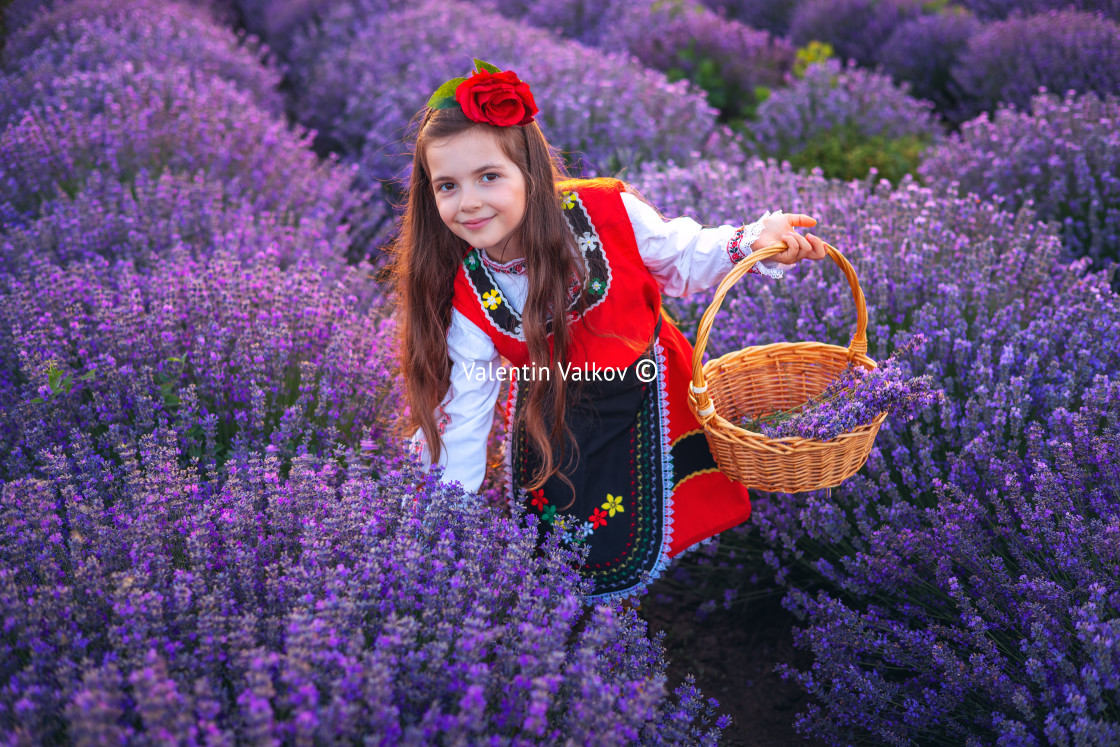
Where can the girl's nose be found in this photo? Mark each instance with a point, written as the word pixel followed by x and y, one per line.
pixel 470 199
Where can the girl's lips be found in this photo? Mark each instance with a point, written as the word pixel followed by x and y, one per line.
pixel 476 224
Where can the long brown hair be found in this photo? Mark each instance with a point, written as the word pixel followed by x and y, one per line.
pixel 426 258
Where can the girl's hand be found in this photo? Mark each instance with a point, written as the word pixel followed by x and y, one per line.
pixel 778 229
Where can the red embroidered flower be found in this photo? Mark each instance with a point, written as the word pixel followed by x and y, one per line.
pixel 496 98
pixel 539 500
pixel 598 518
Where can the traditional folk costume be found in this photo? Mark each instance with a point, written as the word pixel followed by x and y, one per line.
pixel 646 485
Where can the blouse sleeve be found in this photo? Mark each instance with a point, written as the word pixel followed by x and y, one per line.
pixel 466 413
pixel 684 256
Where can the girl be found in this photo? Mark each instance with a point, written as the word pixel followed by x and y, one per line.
pixel 500 255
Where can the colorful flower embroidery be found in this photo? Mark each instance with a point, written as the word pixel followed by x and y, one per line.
pixel 548 514
pixel 735 249
pixel 571 531
pixel 569 200
pixel 587 242
pixel 597 286
pixel 492 299
pixel 539 501
pixel 598 518
pixel 613 504
pixel 471 260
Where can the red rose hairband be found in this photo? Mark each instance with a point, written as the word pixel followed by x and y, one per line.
pixel 490 96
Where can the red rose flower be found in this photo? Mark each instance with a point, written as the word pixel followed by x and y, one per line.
pixel 496 98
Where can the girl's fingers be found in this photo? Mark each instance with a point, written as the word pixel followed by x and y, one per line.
pixel 799 244
pixel 801 220
pixel 819 252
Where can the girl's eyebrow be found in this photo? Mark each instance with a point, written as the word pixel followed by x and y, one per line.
pixel 479 170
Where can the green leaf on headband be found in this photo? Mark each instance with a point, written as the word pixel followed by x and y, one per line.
pixel 444 97
pixel 480 66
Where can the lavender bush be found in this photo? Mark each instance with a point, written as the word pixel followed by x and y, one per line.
pixel 238 355
pixel 855 398
pixel 856 29
pixel 999 9
pixel 923 51
pixel 52 71
pixel 681 38
pixel 142 222
pixel 844 119
pixel 726 58
pixel 765 15
pixel 168 120
pixel 1019 341
pixel 1063 157
pixel 194 548
pixel 30 22
pixel 584 21
pixel 1008 61
pixel 997 616
pixel 276 21
pixel 360 81
pixel 329 604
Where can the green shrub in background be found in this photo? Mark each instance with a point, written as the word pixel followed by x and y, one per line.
pixel 846 153
pixel 843 119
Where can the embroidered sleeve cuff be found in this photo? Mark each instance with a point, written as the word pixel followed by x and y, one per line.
pixel 740 245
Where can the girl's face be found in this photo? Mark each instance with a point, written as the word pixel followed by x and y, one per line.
pixel 479 191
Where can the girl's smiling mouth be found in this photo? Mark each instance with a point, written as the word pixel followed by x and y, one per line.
pixel 474 225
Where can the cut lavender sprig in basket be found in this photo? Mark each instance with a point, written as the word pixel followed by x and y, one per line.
pixel 855 398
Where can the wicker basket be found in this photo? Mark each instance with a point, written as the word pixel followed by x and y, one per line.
pixel 763 379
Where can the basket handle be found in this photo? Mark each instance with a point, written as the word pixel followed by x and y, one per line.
pixel 858 346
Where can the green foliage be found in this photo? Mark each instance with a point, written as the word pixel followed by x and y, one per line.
pixel 844 153
pixel 60 385
pixel 735 104
pixel 811 53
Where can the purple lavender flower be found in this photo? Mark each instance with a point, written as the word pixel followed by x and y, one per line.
pixel 767 15
pixel 1008 61
pixel 856 29
pixel 169 120
pixel 1062 158
pixel 971 531
pixel 327 603
pixel 854 399
pixel 359 81
pixel 53 71
pixel 923 51
pixel 29 23
pixel 845 120
pixel 999 9
pixel 726 58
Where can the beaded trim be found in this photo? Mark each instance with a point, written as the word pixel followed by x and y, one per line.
pixel 668 481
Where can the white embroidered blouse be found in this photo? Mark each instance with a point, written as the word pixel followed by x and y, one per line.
pixel 683 257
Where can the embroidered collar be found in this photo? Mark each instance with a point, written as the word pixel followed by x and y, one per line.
pixel 479 267
pixel 513 267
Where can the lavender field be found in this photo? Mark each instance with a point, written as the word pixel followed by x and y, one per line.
pixel 211 532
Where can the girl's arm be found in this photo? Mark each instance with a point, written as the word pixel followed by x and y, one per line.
pixel 684 256
pixel 467 411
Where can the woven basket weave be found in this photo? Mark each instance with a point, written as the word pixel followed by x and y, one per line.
pixel 766 378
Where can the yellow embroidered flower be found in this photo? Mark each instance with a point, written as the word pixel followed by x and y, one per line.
pixel 613 504
pixel 569 200
pixel 491 299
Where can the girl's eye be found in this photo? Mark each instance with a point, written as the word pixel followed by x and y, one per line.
pixel 486 176
pixel 440 187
